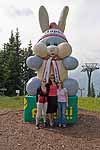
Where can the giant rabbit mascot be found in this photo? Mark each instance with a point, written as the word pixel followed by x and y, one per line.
pixel 52 54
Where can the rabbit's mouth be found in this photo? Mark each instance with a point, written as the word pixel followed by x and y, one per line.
pixel 52 54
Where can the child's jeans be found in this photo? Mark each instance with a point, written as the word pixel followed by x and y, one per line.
pixel 41 110
pixel 62 112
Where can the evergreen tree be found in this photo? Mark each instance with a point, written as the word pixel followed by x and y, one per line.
pixel 1 69
pixel 31 73
pixel 28 73
pixel 10 67
pixel 13 67
pixel 5 58
pixel 30 51
pixel 14 73
pixel 18 62
pixel 4 66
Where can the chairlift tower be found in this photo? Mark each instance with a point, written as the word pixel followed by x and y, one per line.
pixel 81 91
pixel 89 68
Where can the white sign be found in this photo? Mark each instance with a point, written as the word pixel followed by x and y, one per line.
pixel 3 89
pixel 17 91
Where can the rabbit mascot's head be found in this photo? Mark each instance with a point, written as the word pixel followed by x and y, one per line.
pixel 52 54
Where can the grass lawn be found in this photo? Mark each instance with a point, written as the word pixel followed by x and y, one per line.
pixel 89 103
pixel 11 102
pixel 92 104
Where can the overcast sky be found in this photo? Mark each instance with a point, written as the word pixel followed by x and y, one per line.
pixel 82 28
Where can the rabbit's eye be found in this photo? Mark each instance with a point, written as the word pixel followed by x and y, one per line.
pixel 47 44
pixel 55 44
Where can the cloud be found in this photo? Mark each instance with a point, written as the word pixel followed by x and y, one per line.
pixel 82 26
pixel 0 29
pixel 14 12
pixel 84 31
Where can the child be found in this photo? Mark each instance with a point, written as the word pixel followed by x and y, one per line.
pixel 62 104
pixel 42 103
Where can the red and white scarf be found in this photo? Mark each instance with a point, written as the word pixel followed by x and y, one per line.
pixel 47 70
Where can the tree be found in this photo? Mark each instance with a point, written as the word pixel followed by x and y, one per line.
pixel 13 65
pixel 18 62
pixel 1 69
pixel 31 73
pixel 30 51
pixel 27 72
pixel 10 67
pixel 14 73
pixel 3 65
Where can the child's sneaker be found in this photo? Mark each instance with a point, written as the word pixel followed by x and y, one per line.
pixel 51 125
pixel 64 126
pixel 45 124
pixel 37 127
pixel 59 125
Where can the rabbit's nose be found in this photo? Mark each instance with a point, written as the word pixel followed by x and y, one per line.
pixel 52 50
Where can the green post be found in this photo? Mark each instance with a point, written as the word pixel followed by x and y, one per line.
pixel 72 110
pixel 29 108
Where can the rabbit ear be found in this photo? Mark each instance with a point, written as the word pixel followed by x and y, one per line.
pixel 43 19
pixel 62 19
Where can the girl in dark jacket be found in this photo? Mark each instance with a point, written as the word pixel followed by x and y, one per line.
pixel 42 93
